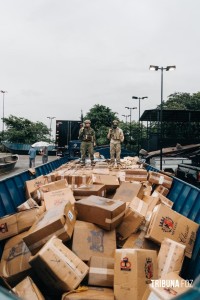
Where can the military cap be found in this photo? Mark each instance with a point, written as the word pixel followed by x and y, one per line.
pixel 87 122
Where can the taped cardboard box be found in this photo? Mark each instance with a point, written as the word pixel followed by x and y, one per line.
pixel 162 190
pixel 27 290
pixel 170 257
pixel 110 181
pixel 165 222
pixel 136 175
pixel 169 286
pixel 90 240
pixel 90 293
pixel 101 271
pixel 127 191
pixel 133 219
pixel 58 267
pixel 15 259
pixel 133 271
pixel 159 178
pixel 57 221
pixel 51 176
pixel 163 199
pixel 38 194
pixel 138 241
pixel 34 184
pixel 14 224
pixel 104 212
pixel 94 189
pixel 57 198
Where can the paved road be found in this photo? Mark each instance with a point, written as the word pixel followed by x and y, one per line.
pixel 23 164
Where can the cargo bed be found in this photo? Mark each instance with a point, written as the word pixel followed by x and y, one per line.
pixel 186 200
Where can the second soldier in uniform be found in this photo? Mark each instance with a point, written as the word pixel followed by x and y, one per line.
pixel 116 137
pixel 88 141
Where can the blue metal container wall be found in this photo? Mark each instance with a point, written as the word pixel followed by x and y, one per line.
pixel 12 191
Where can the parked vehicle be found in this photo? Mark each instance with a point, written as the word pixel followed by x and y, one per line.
pixel 169 164
pixel 189 173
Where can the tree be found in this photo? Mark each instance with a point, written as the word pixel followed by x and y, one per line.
pixel 183 101
pixel 101 118
pixel 21 130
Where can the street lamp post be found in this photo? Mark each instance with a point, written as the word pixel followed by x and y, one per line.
pixel 156 68
pixel 126 116
pixel 130 108
pixel 140 128
pixel 50 118
pixel 3 92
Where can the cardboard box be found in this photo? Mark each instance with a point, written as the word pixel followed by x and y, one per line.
pixel 169 286
pixel 162 190
pixel 28 290
pixel 38 194
pixel 133 271
pixel 170 257
pixel 91 293
pixel 101 272
pixel 136 175
pixel 15 259
pixel 14 224
pixel 28 204
pixel 58 267
pixel 51 176
pixel 158 178
pixel 111 182
pixel 138 241
pixel 133 219
pixel 163 199
pixel 127 191
pixel 165 222
pixel 34 184
pixel 57 198
pixel 95 189
pixel 75 178
pixel 57 221
pixel 104 212
pixel 90 240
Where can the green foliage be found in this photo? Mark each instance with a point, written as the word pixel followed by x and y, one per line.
pixel 183 101
pixel 21 130
pixel 101 118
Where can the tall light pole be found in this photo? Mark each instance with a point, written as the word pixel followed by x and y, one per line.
pixel 50 118
pixel 126 116
pixel 130 108
pixel 156 68
pixel 140 128
pixel 3 92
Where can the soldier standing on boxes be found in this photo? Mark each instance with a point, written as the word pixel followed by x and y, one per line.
pixel 88 141
pixel 116 137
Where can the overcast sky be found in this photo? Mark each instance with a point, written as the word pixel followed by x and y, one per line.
pixel 60 56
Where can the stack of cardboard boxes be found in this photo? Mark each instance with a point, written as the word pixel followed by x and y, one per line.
pixel 96 233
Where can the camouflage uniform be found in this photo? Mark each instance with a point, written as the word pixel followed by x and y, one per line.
pixel 116 137
pixel 87 137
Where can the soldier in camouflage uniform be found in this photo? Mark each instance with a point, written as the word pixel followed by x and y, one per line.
pixel 88 140
pixel 116 137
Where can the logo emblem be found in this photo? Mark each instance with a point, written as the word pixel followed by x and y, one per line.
pixel 148 268
pixel 125 264
pixel 167 224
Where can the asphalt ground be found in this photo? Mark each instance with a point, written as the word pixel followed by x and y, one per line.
pixel 23 164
